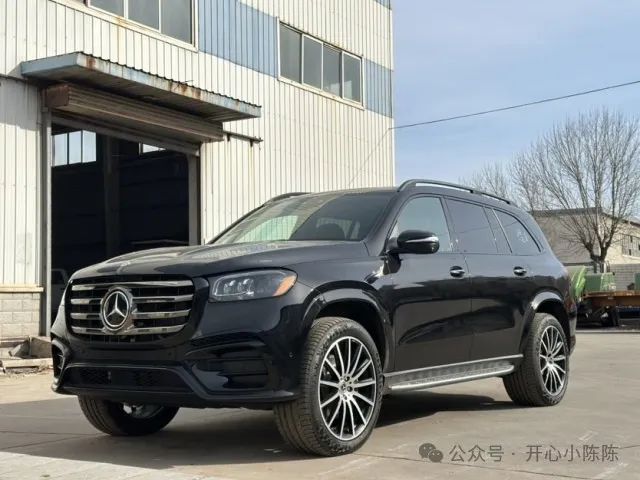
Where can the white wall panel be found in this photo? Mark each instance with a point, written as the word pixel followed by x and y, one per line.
pixel 19 183
pixel 311 142
pixel 360 26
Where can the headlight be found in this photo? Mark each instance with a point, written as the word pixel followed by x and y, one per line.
pixel 251 285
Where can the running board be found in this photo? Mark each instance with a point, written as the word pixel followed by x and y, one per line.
pixel 448 374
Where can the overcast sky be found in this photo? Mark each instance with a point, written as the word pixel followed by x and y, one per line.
pixel 459 56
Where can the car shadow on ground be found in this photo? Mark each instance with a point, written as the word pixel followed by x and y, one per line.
pixel 402 407
pixel 199 438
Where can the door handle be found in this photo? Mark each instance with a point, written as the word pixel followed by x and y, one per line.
pixel 457 272
pixel 519 271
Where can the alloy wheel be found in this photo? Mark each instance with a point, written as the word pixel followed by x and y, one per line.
pixel 347 388
pixel 553 360
pixel 141 411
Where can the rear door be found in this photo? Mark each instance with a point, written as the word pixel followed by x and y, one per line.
pixel 522 270
pixel 495 300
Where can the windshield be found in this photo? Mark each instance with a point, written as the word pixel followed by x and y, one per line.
pixel 334 217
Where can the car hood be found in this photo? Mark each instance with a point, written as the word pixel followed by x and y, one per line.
pixel 207 260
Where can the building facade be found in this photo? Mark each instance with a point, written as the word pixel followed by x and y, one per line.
pixel 623 257
pixel 127 125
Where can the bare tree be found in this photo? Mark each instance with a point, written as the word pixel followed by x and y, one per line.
pixel 585 174
pixel 527 190
pixel 513 181
pixel 492 178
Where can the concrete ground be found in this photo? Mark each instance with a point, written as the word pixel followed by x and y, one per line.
pixel 480 433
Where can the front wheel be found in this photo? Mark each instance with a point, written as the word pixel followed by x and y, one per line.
pixel 542 377
pixel 340 390
pixel 120 419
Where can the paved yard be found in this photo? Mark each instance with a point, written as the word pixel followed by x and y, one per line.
pixel 479 432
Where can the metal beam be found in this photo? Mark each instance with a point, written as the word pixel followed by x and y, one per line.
pixel 79 123
pixel 84 69
pixel 124 112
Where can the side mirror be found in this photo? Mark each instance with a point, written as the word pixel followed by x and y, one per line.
pixel 415 241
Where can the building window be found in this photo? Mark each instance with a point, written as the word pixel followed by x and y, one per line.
pixel 631 245
pixel 146 12
pixel 290 54
pixel 352 77
pixel 170 17
pixel 307 60
pixel 332 75
pixel 73 148
pixel 114 6
pixel 312 66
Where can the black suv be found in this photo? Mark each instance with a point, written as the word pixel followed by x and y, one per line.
pixel 317 305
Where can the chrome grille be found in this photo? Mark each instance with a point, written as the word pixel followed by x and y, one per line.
pixel 160 307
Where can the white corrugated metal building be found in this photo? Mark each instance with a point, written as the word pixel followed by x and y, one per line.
pixel 128 124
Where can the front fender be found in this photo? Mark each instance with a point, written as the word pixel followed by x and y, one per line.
pixel 326 298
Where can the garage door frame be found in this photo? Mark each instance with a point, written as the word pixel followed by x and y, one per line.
pixel 125 85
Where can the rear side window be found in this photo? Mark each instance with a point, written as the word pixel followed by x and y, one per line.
pixel 472 228
pixel 498 233
pixel 427 214
pixel 521 241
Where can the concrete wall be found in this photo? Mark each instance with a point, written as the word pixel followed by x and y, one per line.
pixel 19 316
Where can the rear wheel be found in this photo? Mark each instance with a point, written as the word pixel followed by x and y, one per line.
pixel 542 377
pixel 120 419
pixel 341 390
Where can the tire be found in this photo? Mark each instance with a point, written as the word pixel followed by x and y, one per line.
pixel 339 426
pixel 542 378
pixel 113 418
pixel 607 318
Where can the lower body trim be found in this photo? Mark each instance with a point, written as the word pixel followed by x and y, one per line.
pixel 449 374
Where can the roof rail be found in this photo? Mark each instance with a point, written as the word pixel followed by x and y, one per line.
pixel 415 182
pixel 286 195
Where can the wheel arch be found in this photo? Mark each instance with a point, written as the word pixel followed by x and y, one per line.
pixel 550 302
pixel 362 307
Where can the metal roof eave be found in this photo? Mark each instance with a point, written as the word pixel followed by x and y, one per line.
pixel 119 79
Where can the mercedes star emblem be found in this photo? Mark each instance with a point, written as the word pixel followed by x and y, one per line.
pixel 115 310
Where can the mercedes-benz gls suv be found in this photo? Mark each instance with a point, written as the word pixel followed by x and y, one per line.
pixel 316 306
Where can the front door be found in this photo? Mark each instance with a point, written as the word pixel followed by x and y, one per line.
pixel 430 294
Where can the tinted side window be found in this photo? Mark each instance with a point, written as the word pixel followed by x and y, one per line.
pixel 427 214
pixel 522 243
pixel 472 227
pixel 498 233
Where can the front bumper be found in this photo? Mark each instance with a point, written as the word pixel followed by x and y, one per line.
pixel 240 354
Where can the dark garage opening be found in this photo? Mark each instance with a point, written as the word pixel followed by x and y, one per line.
pixel 110 197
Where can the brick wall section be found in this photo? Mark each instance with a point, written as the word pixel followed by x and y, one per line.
pixel 19 317
pixel 625 274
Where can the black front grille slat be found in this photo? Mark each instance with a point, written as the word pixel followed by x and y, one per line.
pixel 161 297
